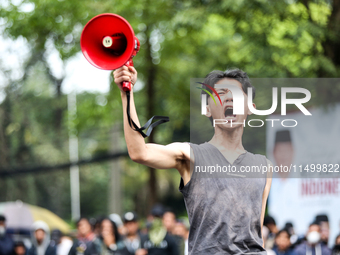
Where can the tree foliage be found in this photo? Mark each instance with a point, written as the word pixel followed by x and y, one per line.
pixel 179 40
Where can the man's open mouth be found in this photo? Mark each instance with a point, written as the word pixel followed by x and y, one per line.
pixel 229 112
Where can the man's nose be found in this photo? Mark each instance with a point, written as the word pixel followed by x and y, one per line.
pixel 228 96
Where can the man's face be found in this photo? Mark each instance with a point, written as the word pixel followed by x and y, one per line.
pixel 313 235
pixel 131 227
pixel 169 221
pixel 179 230
pixel 324 230
pixel 272 227
pixel 225 112
pixel 313 228
pixel 39 235
pixel 107 228
pixel 84 227
pixel 20 250
pixel 337 242
pixel 283 153
pixel 2 228
pixel 282 241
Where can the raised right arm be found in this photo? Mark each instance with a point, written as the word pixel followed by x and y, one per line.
pixel 175 155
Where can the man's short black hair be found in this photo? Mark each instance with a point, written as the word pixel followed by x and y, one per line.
pixel 281 232
pixel 2 218
pixel 157 211
pixel 314 223
pixel 169 210
pixel 82 218
pixel 19 244
pixel 237 74
pixel 321 217
pixel 269 220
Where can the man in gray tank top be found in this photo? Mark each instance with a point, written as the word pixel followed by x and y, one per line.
pixel 226 214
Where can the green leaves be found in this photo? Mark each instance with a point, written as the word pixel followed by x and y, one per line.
pixel 179 40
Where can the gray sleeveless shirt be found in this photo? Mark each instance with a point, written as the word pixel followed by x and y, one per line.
pixel 224 213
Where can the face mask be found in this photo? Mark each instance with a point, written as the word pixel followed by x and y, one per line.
pixel 313 237
pixel 2 230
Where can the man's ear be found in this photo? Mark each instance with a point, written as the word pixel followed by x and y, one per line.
pixel 208 114
pixel 249 112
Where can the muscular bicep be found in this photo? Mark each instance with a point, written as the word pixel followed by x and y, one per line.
pixel 165 156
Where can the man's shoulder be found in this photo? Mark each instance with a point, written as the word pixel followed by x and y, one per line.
pixel 301 248
pixel 170 238
pixel 31 250
pixel 180 144
pixel 51 250
pixel 7 239
pixel 325 249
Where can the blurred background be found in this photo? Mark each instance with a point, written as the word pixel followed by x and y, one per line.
pixel 57 110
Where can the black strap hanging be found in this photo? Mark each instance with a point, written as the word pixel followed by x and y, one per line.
pixel 148 125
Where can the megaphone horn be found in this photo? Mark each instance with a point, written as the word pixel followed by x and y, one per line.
pixel 108 42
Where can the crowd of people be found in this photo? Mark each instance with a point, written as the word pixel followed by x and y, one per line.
pixel 162 234
pixel 287 242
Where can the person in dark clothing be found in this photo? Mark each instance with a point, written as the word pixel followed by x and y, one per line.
pixel 294 238
pixel 169 220
pixel 270 223
pixel 323 222
pixel 41 244
pixel 111 243
pixel 182 231
pixel 6 242
pixel 86 242
pixel 20 248
pixel 313 245
pixel 225 214
pixel 133 237
pixel 63 243
pixel 336 250
pixel 282 243
pixel 158 241
pixel 336 247
pixel 95 222
pixel 337 240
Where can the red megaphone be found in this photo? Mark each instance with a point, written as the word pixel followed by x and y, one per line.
pixel 108 42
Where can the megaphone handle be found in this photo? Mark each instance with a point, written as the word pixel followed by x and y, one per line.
pixel 127 85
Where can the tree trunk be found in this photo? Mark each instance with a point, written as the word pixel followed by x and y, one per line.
pixel 58 114
pixel 332 43
pixel 150 90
